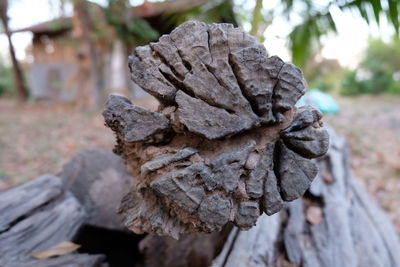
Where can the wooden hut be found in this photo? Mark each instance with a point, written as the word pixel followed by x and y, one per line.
pixel 57 52
pixel 53 58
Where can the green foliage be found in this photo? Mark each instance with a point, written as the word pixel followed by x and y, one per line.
pixel 6 79
pixel 350 85
pixel 131 31
pixel 371 10
pixel 382 56
pixel 377 70
pixel 316 21
pixel 321 84
pixel 260 19
pixel 394 88
pixel 313 19
pixel 304 38
pixel 212 11
pixel 57 25
pixel 137 31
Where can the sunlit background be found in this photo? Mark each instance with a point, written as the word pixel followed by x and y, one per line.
pixel 347 45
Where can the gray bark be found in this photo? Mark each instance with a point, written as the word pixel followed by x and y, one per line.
pixel 19 201
pixel 225 145
pixel 38 216
pixel 336 223
pixel 351 229
pixel 51 209
pixel 98 179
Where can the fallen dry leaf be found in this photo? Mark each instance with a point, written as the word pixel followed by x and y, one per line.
pixel 4 185
pixel 314 215
pixel 327 177
pixel 63 248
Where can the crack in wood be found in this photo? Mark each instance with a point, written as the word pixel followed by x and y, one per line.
pixel 232 95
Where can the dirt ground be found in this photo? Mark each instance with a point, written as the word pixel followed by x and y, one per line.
pixel 371 125
pixel 37 138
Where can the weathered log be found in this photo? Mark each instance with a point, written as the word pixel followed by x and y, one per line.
pixel 72 260
pixel 81 207
pixel 98 179
pixel 19 201
pixel 37 216
pixel 255 247
pixel 336 223
pixel 50 209
pixel 227 142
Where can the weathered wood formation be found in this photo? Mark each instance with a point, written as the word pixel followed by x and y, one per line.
pixel 226 143
pixel 37 216
pixel 52 209
pixel 98 180
pixel 336 223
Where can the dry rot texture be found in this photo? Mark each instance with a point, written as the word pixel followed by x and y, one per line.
pixel 226 143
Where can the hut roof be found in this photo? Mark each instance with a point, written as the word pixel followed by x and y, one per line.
pixel 146 10
pixel 151 9
pixel 53 26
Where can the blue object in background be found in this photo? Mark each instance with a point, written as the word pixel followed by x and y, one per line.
pixel 323 101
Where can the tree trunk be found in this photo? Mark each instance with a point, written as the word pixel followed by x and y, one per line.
pixel 256 19
pixel 91 88
pixel 22 91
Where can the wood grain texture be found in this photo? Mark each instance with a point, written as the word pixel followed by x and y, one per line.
pixel 50 219
pixel 98 180
pixel 351 230
pixel 51 209
pixel 226 143
pixel 19 201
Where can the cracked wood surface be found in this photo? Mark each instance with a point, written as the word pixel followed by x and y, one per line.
pixel 226 143
pixel 350 230
pixel 35 217
pixel 40 214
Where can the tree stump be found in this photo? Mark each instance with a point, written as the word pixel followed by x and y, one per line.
pixel 227 142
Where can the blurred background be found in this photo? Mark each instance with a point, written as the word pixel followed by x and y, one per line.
pixel 59 59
